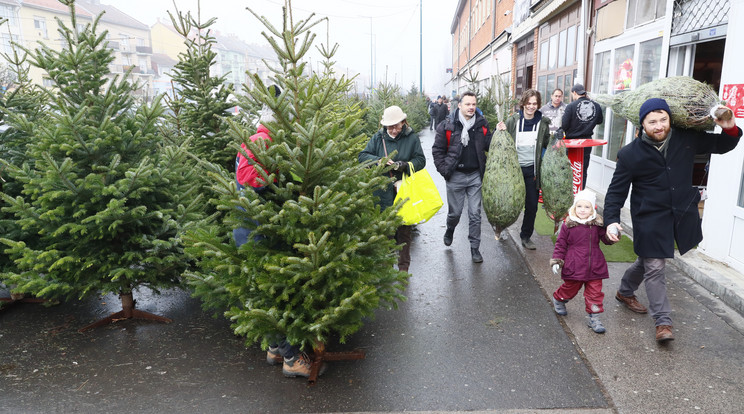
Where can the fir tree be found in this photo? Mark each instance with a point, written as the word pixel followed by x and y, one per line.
pixel 415 107
pixel 201 99
pixel 324 258
pixel 105 201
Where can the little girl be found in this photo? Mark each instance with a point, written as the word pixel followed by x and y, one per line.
pixel 583 264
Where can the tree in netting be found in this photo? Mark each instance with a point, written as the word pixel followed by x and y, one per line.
pixel 321 254
pixel 105 200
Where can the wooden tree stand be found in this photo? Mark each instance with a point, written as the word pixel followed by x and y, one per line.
pixel 127 312
pixel 320 355
pixel 18 298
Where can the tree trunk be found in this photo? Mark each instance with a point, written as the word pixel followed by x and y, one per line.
pixel 127 311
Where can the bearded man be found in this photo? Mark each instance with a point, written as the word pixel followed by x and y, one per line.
pixel 663 203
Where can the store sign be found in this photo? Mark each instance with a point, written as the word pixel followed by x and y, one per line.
pixel 733 95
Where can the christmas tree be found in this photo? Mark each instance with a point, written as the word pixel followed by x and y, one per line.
pixel 201 100
pixel 322 256
pixel 105 200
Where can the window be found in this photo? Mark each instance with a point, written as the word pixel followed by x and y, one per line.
pixel 644 11
pixel 649 61
pixel 623 79
pixel 6 40
pixel 40 26
pixel 601 82
pixel 571 46
pixel 741 191
pixel 8 12
pixel 544 55
pixel 553 52
pixel 562 49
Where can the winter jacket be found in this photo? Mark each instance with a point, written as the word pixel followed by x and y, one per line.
pixel 554 114
pixel 440 113
pixel 245 171
pixel 407 144
pixel 580 118
pixel 577 250
pixel 446 157
pixel 543 137
pixel 663 203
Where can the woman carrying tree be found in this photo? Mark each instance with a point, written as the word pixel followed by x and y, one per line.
pixel 397 140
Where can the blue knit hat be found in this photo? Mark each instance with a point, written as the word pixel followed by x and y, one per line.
pixel 653 104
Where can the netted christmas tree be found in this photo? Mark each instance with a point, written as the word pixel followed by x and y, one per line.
pixel 105 201
pixel 201 99
pixel 322 256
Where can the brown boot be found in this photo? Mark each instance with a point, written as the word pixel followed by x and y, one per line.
pixel 664 333
pixel 631 303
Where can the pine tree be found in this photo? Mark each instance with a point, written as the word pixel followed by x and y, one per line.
pixel 201 99
pixel 324 258
pixel 415 107
pixel 105 201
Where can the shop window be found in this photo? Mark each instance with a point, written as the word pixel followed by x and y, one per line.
pixel 649 61
pixel 599 133
pixel 618 131
pixel 623 68
pixel 601 82
pixel 562 49
pixel 571 46
pixel 553 52
pixel 542 85
pixel 544 55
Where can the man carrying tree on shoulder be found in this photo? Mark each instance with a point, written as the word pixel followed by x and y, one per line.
pixel 663 204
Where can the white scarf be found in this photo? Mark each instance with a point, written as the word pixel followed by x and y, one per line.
pixel 466 125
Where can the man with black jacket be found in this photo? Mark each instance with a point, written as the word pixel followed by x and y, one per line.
pixel 579 120
pixel 459 154
pixel 656 168
pixel 440 112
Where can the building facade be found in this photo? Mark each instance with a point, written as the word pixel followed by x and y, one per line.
pixel 614 46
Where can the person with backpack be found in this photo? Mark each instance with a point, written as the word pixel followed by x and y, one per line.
pixel 459 154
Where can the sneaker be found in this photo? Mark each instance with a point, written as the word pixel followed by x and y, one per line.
pixel 595 323
pixel 560 307
pixel 299 366
pixel 448 236
pixel 528 244
pixel 477 258
pixel 273 357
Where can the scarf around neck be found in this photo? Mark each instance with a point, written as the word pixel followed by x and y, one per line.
pixel 661 146
pixel 466 125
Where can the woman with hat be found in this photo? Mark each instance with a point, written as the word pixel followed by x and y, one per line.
pixel 395 136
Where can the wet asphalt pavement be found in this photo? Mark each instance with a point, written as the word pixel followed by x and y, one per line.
pixel 470 337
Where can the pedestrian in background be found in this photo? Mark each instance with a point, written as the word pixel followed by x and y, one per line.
pixel 579 260
pixel 579 120
pixel 554 110
pixel 441 111
pixel 656 168
pixel 395 135
pixel 531 132
pixel 459 153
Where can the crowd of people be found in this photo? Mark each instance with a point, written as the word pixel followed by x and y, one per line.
pixel 655 168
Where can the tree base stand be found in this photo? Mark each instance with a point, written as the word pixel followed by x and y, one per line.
pixel 320 355
pixel 18 298
pixel 128 312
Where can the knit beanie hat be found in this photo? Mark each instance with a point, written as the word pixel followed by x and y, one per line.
pixel 653 104
pixel 583 195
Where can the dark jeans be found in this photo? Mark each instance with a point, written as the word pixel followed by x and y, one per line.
pixel 285 349
pixel 531 195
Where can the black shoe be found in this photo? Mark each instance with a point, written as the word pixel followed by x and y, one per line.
pixel 448 236
pixel 477 258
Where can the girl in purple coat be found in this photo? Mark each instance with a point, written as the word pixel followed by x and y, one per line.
pixel 580 261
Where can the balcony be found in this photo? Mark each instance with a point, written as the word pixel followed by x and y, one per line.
pixel 144 50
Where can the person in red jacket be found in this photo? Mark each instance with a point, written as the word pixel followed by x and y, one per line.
pixel 577 253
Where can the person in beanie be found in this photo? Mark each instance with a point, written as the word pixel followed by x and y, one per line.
pixel 395 135
pixel 579 260
pixel 579 120
pixel 459 153
pixel 658 166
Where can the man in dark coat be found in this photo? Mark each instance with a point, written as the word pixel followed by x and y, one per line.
pixel 663 203
pixel 579 120
pixel 441 112
pixel 459 153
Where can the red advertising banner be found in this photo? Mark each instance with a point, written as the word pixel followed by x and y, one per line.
pixel 733 95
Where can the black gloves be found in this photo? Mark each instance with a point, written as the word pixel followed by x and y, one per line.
pixel 401 166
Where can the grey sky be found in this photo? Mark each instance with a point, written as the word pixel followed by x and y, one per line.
pixel 394 26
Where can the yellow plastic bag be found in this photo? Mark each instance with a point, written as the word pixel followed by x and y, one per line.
pixel 420 197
